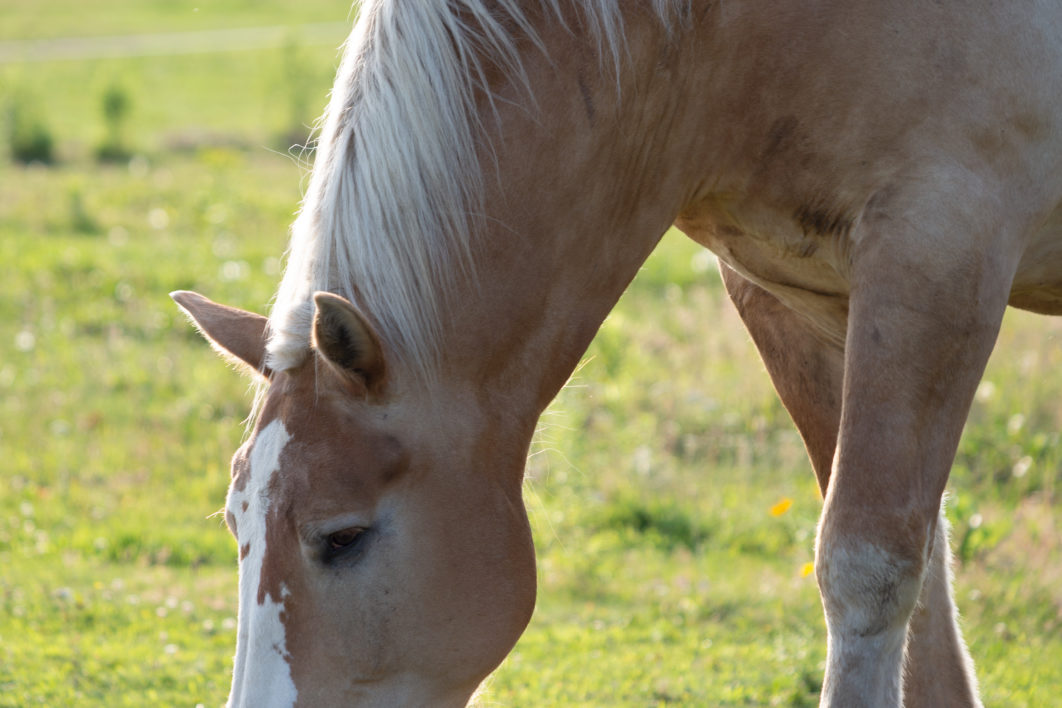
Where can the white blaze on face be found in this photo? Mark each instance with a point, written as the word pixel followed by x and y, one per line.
pixel 262 675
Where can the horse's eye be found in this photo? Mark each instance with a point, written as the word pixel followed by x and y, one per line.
pixel 343 538
pixel 344 545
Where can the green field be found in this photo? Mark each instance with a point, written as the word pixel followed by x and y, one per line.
pixel 673 508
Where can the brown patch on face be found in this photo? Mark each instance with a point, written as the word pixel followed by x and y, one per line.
pixel 241 468
pixel 333 464
pixel 281 558
pixel 230 521
pixel 244 550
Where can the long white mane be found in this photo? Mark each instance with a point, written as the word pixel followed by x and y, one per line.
pixel 389 214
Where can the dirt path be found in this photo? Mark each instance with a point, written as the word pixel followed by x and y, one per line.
pixel 139 45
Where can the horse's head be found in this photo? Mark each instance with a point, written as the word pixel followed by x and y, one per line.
pixel 385 556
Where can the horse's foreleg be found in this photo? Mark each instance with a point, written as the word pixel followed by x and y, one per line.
pixel 807 373
pixel 923 316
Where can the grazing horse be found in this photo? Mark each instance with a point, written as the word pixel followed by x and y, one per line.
pixel 879 179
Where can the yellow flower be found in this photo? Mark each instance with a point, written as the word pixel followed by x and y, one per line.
pixel 781 507
pixel 807 569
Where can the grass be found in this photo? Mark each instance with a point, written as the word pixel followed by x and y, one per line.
pixel 672 569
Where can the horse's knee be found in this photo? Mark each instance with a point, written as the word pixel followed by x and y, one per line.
pixel 868 591
pixel 870 579
pixel 868 588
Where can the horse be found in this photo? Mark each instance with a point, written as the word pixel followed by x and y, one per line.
pixel 879 180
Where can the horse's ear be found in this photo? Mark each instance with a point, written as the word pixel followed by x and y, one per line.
pixel 237 335
pixel 343 337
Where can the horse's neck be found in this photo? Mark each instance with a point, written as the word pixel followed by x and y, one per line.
pixel 580 198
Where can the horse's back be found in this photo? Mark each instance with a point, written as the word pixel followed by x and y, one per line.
pixel 823 118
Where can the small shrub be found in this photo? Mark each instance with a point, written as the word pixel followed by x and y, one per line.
pixel 663 524
pixel 81 220
pixel 116 106
pixel 29 138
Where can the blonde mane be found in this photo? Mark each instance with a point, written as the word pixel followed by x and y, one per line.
pixel 389 214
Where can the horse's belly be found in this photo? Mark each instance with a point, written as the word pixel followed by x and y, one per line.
pixel 806 271
pixel 1038 282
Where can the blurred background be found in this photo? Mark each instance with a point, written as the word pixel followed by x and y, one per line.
pixel 147 146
